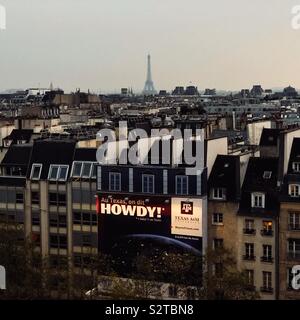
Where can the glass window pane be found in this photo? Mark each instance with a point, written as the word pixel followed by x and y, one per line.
pixel 77 169
pixel 53 173
pixel 86 170
pixel 63 173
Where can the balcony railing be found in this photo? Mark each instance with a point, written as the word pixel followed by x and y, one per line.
pixel 266 233
pixel 250 231
pixel 294 227
pixel 249 257
pixel 266 290
pixel 293 255
pixel 267 259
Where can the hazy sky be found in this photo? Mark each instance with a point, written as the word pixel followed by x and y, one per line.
pixel 102 44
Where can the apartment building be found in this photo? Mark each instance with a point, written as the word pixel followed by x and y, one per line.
pixel 257 224
pixel 289 225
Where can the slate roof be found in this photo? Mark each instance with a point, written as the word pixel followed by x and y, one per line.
pixel 47 152
pixel 226 174
pixel 255 182
pixel 20 134
pixel 269 137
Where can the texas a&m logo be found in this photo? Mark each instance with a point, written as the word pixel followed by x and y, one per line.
pixel 186 207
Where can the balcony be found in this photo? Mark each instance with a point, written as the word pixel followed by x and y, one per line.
pixel 266 233
pixel 267 290
pixel 293 255
pixel 267 259
pixel 251 232
pixel 249 257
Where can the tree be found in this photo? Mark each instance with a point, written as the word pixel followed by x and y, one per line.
pixel 222 280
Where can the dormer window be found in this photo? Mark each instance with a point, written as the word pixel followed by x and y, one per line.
pixel 36 171
pixel 294 190
pixel 267 175
pixel 218 194
pixel 84 169
pixel 296 166
pixel 258 200
pixel 58 172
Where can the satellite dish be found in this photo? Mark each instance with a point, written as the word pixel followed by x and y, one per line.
pixel 2 278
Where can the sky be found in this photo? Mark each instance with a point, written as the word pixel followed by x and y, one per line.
pixel 102 45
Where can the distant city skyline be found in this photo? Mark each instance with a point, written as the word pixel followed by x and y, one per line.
pixel 102 45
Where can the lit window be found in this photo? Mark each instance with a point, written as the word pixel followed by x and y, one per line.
pixel 258 200
pixel 294 190
pixel 36 171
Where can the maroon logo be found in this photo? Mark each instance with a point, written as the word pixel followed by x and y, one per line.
pixel 186 207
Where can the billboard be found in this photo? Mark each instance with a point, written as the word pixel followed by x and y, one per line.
pixel 128 223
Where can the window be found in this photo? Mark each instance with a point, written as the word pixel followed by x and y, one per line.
pixel 294 190
pixel 294 249
pixel 148 183
pixel 85 218
pixel 76 171
pixel 19 197
pixel 294 221
pixel 86 170
pixel 86 240
pixel 36 171
pixel 182 185
pixel 58 172
pixel 217 219
pixel 218 243
pixel 57 199
pixel 267 282
pixel 94 170
pixel 258 200
pixel 35 197
pixel 249 251
pixel 250 277
pixel 218 193
pixel 296 166
pixel 267 228
pixel 57 220
pixel 58 241
pixel 249 227
pixel 267 253
pixel 267 175
pixel 114 181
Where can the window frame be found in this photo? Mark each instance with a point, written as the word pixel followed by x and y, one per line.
pixel 290 190
pixel 59 167
pixel 181 178
pixel 110 175
pixel 255 195
pixel 147 176
pixel 34 165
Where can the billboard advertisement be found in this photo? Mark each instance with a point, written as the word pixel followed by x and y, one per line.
pixel 129 223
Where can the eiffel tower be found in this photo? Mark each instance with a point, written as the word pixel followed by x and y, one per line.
pixel 149 86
